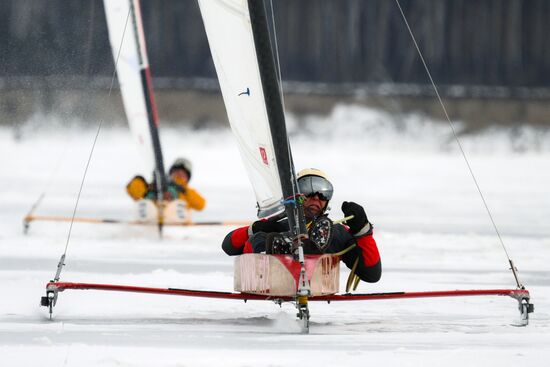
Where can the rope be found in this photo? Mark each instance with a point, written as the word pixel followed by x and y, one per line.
pixel 346 250
pixel 458 141
pixel 351 277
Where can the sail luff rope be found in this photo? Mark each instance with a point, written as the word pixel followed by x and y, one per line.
pixel 436 90
pixel 95 140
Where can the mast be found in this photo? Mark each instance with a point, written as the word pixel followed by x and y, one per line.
pixel 134 75
pixel 276 117
pixel 152 114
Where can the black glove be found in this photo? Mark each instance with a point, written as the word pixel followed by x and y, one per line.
pixel 257 241
pixel 359 220
pixel 267 226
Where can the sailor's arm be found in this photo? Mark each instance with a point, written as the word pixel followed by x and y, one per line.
pixel 251 238
pixel 193 199
pixel 369 267
pixel 233 244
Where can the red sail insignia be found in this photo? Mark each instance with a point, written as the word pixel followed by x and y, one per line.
pixel 264 156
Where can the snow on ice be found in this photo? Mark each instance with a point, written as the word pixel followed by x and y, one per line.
pixel 431 227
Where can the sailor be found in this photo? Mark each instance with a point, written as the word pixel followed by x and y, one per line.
pixel 317 191
pixel 177 187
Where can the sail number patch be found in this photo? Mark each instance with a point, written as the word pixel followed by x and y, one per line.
pixel 263 153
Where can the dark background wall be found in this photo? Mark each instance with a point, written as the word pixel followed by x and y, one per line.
pixel 482 42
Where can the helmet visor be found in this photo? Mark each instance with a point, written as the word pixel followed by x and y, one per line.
pixel 311 185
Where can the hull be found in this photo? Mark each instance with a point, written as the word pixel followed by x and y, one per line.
pixel 278 275
pixel 175 212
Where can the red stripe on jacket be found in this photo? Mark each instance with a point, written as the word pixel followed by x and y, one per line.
pixel 369 250
pixel 239 237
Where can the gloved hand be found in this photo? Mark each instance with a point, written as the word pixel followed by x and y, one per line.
pixel 267 226
pixel 173 191
pixel 137 188
pixel 359 220
pixel 257 241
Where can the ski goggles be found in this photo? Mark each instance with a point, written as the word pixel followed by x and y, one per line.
pixel 315 185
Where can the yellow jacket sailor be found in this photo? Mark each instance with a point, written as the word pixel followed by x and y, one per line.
pixel 177 188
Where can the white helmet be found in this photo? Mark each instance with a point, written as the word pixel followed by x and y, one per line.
pixel 314 181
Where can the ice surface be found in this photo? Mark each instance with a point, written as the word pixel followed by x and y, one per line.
pixel 431 227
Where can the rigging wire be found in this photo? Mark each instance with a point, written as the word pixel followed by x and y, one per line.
pixel 436 90
pixel 93 147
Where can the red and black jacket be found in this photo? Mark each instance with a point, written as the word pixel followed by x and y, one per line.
pixel 369 269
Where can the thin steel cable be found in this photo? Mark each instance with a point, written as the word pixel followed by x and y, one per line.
pixel 95 139
pixel 454 133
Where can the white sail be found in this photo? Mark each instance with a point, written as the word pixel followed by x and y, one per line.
pixel 128 46
pixel 229 32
